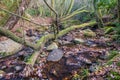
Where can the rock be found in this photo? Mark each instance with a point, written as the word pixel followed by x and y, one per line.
pixel 28 50
pixel 84 60
pixel 93 67
pixel 43 54
pixel 73 62
pixel 90 43
pixel 103 57
pixel 55 55
pixel 18 68
pixel 8 47
pixel 62 42
pixel 2 73
pixel 78 41
pixel 52 46
pixel 89 33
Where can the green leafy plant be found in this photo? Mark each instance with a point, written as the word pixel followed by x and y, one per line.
pixel 33 12
pixel 112 54
pixel 113 76
pixel 118 64
pixel 116 36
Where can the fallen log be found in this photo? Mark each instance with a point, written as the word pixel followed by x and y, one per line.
pixel 45 38
pixel 12 36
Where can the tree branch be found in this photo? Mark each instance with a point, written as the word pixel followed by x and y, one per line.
pixel 21 17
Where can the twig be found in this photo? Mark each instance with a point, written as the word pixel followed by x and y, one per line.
pixel 57 19
pixel 21 17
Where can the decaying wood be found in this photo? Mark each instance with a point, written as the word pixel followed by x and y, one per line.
pixel 20 11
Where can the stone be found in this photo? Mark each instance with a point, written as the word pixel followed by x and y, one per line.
pixel 78 41
pixel 2 73
pixel 89 33
pixel 93 67
pixel 43 54
pixel 83 59
pixel 7 47
pixel 72 61
pixel 52 46
pixel 90 43
pixel 55 55
pixel 63 42
pixel 18 68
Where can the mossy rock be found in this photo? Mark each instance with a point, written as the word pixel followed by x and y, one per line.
pixel 52 46
pixel 9 47
pixel 78 41
pixel 89 33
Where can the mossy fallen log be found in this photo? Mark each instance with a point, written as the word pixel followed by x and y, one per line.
pixel 45 38
pixel 12 36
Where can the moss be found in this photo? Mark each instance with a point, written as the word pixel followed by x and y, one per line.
pixel 19 30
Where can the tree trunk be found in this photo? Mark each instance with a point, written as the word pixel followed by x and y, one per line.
pixel 20 11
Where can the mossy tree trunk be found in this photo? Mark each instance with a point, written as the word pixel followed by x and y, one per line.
pixel 12 36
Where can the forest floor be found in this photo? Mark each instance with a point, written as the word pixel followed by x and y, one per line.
pixel 81 54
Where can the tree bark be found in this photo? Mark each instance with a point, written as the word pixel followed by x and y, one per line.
pixel 20 11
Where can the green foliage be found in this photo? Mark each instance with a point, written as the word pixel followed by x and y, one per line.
pixel 85 72
pixel 84 17
pixel 7 3
pixel 113 76
pixel 106 5
pixel 19 30
pixel 118 64
pixel 76 77
pixel 10 5
pixel 33 12
pixel 108 29
pixel 110 62
pixel 112 54
pixel 116 36
pixel 3 54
